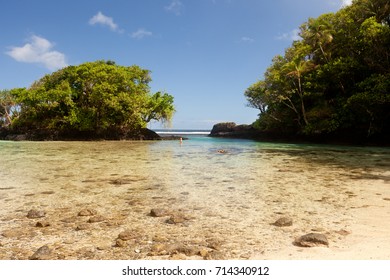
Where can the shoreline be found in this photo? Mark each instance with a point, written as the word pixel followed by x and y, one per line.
pixel 231 130
pixel 228 130
pixel 48 135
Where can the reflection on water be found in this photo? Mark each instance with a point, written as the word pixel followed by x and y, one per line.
pixel 230 198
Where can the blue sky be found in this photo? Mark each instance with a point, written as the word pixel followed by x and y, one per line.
pixel 203 52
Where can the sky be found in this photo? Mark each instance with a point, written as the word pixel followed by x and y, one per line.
pixel 205 53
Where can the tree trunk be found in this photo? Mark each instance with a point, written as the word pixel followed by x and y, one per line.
pixel 302 103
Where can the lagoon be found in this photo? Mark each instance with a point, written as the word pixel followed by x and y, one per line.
pixel 216 205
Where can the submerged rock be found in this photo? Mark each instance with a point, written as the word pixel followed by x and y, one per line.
pixel 120 243
pixel 312 240
pixel 42 224
pixel 33 214
pixel 43 253
pixel 127 235
pixel 214 244
pixel 157 212
pixel 283 222
pixel 87 212
pixel 176 219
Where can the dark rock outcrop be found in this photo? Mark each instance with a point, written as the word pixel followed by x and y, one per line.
pixel 232 130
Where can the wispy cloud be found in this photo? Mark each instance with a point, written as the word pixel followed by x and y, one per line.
pixel 104 20
pixel 290 36
pixel 39 50
pixel 141 33
pixel 176 7
pixel 247 39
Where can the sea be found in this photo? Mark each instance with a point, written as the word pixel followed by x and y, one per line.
pixel 183 132
pixel 228 192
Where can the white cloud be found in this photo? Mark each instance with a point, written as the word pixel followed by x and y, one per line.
pixel 247 39
pixel 290 36
pixel 176 7
pixel 99 18
pixel 141 33
pixel 39 50
pixel 346 2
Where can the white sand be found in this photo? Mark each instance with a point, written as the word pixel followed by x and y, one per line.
pixel 369 237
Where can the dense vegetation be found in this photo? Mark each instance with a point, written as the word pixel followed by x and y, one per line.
pixel 334 83
pixel 94 98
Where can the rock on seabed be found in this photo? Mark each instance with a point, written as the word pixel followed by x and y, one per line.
pixel 87 212
pixel 43 253
pixel 33 214
pixel 312 240
pixel 283 222
pixel 157 212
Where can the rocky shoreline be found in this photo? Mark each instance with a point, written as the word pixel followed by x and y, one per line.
pixel 232 130
pixel 244 131
pixel 52 135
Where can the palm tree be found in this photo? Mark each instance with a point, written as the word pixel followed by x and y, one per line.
pixel 8 107
pixel 318 34
pixel 295 69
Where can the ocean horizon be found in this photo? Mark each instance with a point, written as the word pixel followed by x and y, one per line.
pixel 182 131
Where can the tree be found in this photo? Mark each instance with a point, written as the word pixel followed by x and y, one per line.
pixel 335 80
pixel 94 97
pixel 257 96
pixel 296 68
pixel 371 104
pixel 318 34
pixel 159 107
pixel 9 109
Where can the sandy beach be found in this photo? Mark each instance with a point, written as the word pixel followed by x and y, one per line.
pixel 367 236
pixel 143 201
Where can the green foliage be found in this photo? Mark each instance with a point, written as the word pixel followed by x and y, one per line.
pixel 94 97
pixel 335 80
pixel 9 108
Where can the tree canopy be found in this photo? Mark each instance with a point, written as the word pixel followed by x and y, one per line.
pixel 335 80
pixel 93 97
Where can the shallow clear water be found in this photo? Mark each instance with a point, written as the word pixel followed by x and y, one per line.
pixel 230 197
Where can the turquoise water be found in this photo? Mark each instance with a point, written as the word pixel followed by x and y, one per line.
pixel 231 196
